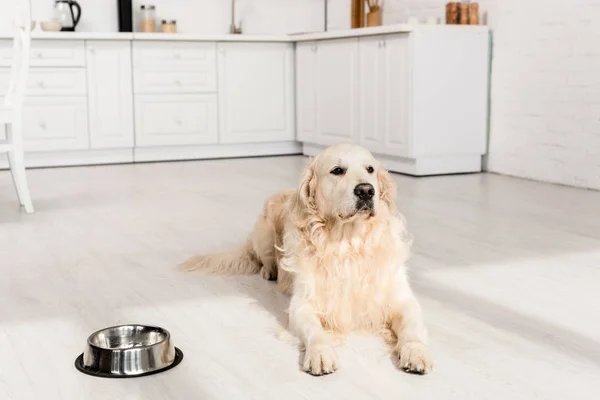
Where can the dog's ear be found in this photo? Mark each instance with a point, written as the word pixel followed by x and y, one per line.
pixel 387 188
pixel 308 186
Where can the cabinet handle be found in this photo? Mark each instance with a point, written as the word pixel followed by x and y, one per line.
pixel 178 121
pixel 41 84
pixel 92 50
pixel 39 55
pixel 42 125
pixel 384 44
pixel 178 82
pixel 178 56
pixel 379 44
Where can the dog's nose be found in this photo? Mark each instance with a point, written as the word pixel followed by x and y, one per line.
pixel 364 191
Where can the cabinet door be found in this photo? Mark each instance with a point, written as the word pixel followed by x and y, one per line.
pixel 256 100
pixel 385 92
pixel 306 91
pixel 177 119
pixel 397 92
pixel 55 123
pixel 372 90
pixel 337 91
pixel 110 94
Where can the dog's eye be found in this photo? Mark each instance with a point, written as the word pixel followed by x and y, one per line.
pixel 370 169
pixel 337 171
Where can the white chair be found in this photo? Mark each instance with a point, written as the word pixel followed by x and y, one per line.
pixel 12 109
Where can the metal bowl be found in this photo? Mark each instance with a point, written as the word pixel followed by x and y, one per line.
pixel 128 351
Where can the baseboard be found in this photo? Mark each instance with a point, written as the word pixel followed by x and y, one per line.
pixel 74 158
pixel 181 153
pixel 420 166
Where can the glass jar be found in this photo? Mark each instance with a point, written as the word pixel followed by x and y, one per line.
pixel 169 26
pixel 148 18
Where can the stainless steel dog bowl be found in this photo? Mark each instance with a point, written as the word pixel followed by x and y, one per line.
pixel 128 351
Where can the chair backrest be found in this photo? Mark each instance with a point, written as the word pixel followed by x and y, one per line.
pixel 21 52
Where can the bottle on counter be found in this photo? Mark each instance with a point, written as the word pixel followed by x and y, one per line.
pixel 148 18
pixel 463 13
pixel 474 14
pixel 169 26
pixel 452 13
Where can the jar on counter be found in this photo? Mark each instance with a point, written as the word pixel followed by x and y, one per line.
pixel 148 18
pixel 169 26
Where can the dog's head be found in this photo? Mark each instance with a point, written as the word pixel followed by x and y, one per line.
pixel 347 182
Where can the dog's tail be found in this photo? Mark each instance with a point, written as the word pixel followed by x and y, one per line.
pixel 241 261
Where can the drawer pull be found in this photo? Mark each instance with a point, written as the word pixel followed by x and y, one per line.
pixel 178 82
pixel 39 55
pixel 42 125
pixel 178 121
pixel 41 84
pixel 178 56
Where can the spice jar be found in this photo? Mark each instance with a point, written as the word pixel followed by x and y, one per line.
pixel 452 13
pixel 474 14
pixel 464 14
pixel 169 26
pixel 148 18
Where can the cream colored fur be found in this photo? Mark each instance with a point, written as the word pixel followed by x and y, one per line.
pixel 344 269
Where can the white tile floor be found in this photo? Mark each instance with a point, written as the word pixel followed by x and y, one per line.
pixel 506 270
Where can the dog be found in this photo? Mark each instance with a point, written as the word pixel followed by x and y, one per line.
pixel 338 247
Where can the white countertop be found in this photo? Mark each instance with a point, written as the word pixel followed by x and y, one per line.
pixel 300 37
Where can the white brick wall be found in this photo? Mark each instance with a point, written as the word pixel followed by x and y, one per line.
pixel 545 85
pixel 546 91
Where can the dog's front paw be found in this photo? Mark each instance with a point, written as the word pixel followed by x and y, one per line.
pixel 320 360
pixel 269 273
pixel 415 358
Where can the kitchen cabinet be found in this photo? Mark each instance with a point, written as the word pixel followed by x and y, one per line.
pixel 256 92
pixel 306 91
pixel 416 99
pixel 55 123
pixel 176 119
pixel 110 94
pixel 337 94
pixel 416 96
pixel 384 94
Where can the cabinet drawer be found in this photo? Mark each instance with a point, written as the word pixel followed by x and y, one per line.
pixel 57 123
pixel 49 81
pixel 171 81
pixel 174 54
pixel 175 119
pixel 48 53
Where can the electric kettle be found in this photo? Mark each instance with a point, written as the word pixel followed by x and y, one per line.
pixel 63 13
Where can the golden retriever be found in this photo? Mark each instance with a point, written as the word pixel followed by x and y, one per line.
pixel 338 247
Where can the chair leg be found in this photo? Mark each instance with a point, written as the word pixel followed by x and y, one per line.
pixel 17 168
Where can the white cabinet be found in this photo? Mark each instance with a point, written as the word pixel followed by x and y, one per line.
pixel 384 94
pixel 55 123
pixel 110 94
pixel 256 92
pixel 176 119
pixel 306 91
pixel 337 91
pixel 327 87
pixel 417 99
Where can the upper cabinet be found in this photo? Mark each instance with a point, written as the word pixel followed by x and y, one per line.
pixel 110 94
pixel 385 91
pixel 256 92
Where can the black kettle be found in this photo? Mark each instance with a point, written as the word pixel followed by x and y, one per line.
pixel 63 13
